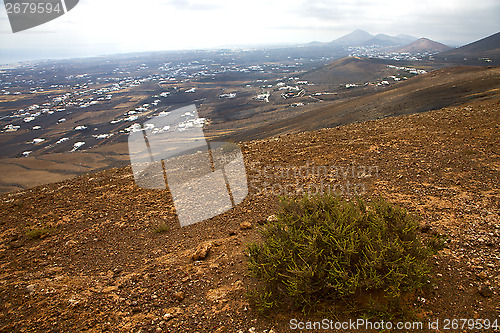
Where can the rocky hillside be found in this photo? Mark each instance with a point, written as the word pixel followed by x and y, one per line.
pixel 97 253
pixel 424 45
pixel 350 70
pixel 435 90
pixel 488 47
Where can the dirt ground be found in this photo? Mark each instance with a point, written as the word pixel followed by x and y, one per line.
pixel 111 257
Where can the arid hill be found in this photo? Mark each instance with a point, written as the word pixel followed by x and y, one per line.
pixel 424 45
pixel 431 91
pixel 488 47
pixel 350 70
pixel 97 253
pixel 355 38
pixel 388 41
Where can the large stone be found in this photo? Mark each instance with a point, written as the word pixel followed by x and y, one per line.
pixel 178 296
pixel 485 291
pixel 172 313
pixel 272 218
pixel 201 251
pixel 245 225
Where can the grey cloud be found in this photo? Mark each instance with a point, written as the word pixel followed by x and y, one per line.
pixel 188 5
pixel 333 10
pixel 464 25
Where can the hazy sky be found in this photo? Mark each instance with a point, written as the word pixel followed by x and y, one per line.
pixel 96 27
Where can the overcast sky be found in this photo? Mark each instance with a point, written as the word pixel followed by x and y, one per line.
pixel 96 27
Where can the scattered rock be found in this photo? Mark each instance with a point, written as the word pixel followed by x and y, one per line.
pixel 201 251
pixel 221 329
pixel 71 243
pixel 485 291
pixel 109 289
pixel 245 225
pixel 262 221
pixel 31 288
pixel 178 296
pixel 216 295
pixel 16 244
pixel 272 218
pixel 127 279
pixel 425 228
pixel 73 301
pixel 172 313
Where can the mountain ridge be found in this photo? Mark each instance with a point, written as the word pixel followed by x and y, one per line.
pixel 487 47
pixel 350 70
pixel 357 37
pixel 424 45
pixel 363 38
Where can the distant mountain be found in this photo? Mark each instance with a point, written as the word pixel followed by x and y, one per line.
pixel 386 40
pixel 314 43
pixel 488 47
pixel 407 38
pixel 349 70
pixel 362 38
pixel 424 45
pixel 355 38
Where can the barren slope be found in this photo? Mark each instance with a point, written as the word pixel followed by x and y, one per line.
pixel 102 267
pixel 350 70
pixel 424 45
pixel 486 47
pixel 431 91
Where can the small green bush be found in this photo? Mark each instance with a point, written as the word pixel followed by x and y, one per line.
pixel 325 250
pixel 162 228
pixel 228 147
pixel 38 233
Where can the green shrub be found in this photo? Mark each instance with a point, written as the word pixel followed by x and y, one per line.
pixel 326 250
pixel 38 233
pixel 162 228
pixel 228 147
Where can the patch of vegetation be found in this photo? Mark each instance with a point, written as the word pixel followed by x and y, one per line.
pixel 228 147
pixel 469 151
pixel 38 233
pixel 162 228
pixel 325 250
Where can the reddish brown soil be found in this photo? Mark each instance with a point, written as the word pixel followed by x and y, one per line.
pixel 102 266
